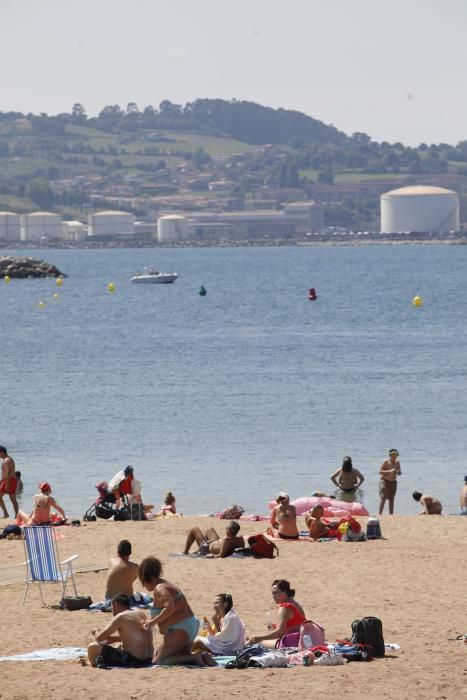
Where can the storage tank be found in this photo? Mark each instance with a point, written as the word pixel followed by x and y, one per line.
pixel 111 223
pixel 420 208
pixel 10 228
pixel 40 224
pixel 172 228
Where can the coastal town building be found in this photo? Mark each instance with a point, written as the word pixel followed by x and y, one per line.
pixel 110 224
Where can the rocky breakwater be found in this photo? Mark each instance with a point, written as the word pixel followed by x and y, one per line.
pixel 27 268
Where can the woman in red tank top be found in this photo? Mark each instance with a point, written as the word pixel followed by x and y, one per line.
pixel 290 615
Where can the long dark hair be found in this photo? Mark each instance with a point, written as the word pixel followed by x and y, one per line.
pixel 347 464
pixel 284 587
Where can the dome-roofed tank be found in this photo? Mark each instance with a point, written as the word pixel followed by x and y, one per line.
pixel 420 208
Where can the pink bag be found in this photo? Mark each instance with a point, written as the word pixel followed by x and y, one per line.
pixel 314 631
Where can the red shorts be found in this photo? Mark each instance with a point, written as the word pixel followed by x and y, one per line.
pixel 12 485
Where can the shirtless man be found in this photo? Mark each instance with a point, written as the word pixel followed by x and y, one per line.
pixel 389 471
pixel 122 572
pixel 127 627
pixel 314 523
pixel 211 545
pixel 284 518
pixel 463 498
pixel 8 481
pixel 431 505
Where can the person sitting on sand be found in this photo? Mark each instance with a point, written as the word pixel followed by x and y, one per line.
pixel 431 505
pixel 8 483
pixel 347 479
pixel 284 518
pixel 227 631
pixel 211 545
pixel 122 572
pixel 463 498
pixel 127 627
pixel 174 617
pixel 168 507
pixel 290 615
pixel 43 502
pixel 389 471
pixel 314 523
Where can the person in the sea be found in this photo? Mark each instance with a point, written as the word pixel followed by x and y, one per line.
pixel 389 471
pixel 430 504
pixel 284 518
pixel 43 502
pixel 168 507
pixel 211 545
pixel 463 498
pixel 122 573
pixel 174 617
pixel 290 615
pixel 8 481
pixel 127 627
pixel 226 630
pixel 19 483
pixel 315 525
pixel 347 479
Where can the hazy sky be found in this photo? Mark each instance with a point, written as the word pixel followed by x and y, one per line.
pixel 394 69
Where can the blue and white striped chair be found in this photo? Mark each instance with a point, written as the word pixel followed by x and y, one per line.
pixel 43 561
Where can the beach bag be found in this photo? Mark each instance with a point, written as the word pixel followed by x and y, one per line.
pixel 80 602
pixel 311 635
pixel 137 511
pixel 369 631
pixel 104 511
pixel 11 531
pixel 122 514
pixel 373 529
pixel 232 513
pixel 244 655
pixel 262 547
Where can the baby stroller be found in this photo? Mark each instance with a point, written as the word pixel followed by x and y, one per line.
pixel 104 506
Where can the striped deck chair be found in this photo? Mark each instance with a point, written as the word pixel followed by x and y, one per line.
pixel 43 561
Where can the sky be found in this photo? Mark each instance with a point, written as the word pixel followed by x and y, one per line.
pixel 393 69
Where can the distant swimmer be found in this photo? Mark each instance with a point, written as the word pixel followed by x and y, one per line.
pixel 463 498
pixel 389 471
pixel 430 504
pixel 8 481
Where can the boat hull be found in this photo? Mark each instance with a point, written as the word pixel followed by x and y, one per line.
pixel 162 278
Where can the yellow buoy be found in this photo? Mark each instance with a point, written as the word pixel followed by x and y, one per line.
pixel 111 287
pixel 41 304
pixel 417 301
pixel 55 295
pixel 59 282
pixel 7 279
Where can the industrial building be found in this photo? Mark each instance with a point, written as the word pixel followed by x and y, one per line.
pixel 111 224
pixel 172 228
pixel 41 225
pixel 10 226
pixel 421 209
pixel 74 231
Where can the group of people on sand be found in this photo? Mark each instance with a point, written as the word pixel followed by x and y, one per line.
pixel 172 614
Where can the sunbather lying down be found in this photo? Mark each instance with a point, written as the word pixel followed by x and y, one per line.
pixel 211 545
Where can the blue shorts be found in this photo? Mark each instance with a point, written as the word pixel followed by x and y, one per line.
pixel 190 625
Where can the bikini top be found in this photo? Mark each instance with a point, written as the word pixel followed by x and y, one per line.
pixel 297 616
pixel 154 611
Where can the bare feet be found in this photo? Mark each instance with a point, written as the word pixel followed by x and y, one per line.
pixel 208 659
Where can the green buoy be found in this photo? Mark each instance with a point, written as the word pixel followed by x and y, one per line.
pixel 202 291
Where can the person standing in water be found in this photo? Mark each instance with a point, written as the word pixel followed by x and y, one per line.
pixel 347 479
pixel 389 471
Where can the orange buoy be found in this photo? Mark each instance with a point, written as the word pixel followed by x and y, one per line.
pixel 312 294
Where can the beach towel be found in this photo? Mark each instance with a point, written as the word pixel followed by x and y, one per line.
pixel 53 654
pixel 138 600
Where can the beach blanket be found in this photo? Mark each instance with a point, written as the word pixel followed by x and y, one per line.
pixel 303 536
pixel 196 555
pixel 138 600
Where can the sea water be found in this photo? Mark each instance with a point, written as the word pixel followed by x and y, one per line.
pixel 252 389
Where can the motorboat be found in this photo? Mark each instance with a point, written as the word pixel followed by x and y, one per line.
pixel 154 277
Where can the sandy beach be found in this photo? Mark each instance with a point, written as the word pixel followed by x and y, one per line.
pixel 414 580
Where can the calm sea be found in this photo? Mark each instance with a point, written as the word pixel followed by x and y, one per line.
pixel 247 391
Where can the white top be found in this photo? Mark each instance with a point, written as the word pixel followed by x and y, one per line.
pixel 230 639
pixel 116 480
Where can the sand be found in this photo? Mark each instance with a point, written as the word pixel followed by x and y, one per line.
pixel 414 581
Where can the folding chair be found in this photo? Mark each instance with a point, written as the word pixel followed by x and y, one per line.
pixel 43 561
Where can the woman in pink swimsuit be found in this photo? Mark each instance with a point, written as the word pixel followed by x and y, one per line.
pixel 43 502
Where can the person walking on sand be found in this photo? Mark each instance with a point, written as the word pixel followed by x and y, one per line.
pixel 8 481
pixel 126 627
pixel 431 505
pixel 463 498
pixel 389 471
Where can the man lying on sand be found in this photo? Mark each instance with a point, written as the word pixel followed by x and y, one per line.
pixel 430 504
pixel 126 627
pixel 211 545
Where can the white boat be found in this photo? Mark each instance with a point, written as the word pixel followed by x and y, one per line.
pixel 154 277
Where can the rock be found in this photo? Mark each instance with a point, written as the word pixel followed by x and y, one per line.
pixel 21 268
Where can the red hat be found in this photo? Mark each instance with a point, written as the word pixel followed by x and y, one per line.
pixel 44 486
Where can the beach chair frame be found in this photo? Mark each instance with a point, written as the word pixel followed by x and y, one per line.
pixel 43 563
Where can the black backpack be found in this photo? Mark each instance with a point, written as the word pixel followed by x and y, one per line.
pixel 369 631
pixel 104 511
pixel 243 656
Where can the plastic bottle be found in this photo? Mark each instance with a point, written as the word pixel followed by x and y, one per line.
pixel 307 643
pixel 269 623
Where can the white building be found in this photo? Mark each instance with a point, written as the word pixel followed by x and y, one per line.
pixel 40 225
pixel 420 209
pixel 10 226
pixel 108 224
pixel 172 228
pixel 74 231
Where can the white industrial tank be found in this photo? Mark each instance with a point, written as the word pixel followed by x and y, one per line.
pixel 40 224
pixel 172 228
pixel 9 226
pixel 111 223
pixel 420 208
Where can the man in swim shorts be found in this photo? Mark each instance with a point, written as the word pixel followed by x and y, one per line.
pixel 389 471
pixel 211 545
pixel 8 481
pixel 127 627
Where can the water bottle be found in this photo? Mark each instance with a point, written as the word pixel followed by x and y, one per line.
pixel 269 623
pixel 307 643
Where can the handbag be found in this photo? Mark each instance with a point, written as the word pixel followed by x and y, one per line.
pixel 80 602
